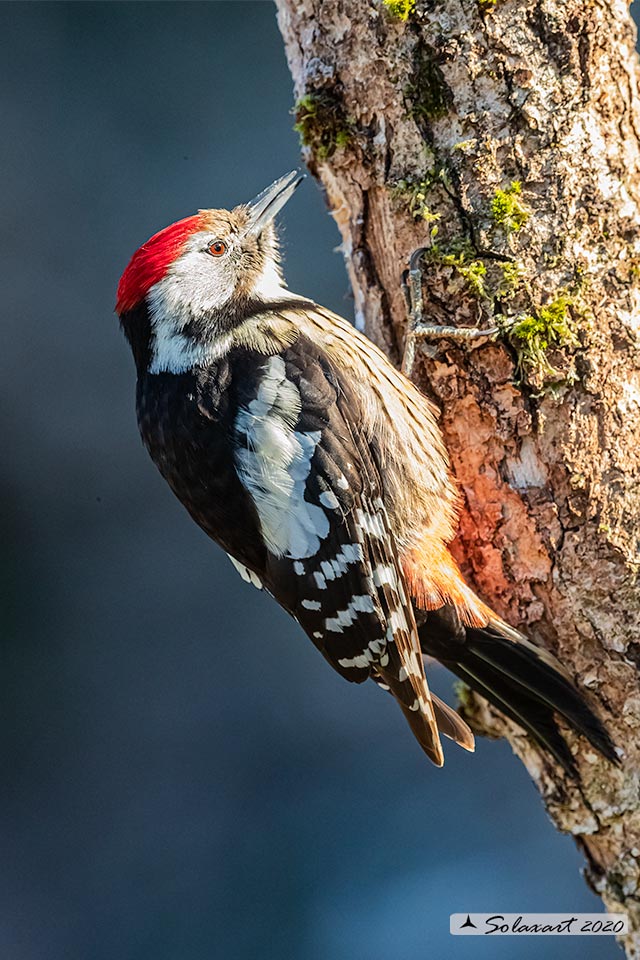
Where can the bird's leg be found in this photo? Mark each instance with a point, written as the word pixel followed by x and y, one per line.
pixel 418 329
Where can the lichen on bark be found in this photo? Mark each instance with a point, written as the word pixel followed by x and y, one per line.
pixel 505 137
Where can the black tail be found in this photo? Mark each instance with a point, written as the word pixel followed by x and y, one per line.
pixel 525 682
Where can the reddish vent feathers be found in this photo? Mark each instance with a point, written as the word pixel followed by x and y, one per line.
pixel 149 264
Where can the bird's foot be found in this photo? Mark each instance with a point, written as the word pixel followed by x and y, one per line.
pixel 418 329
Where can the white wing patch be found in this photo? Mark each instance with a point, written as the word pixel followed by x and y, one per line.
pixel 273 462
pixel 344 618
pixel 374 651
pixel 248 575
pixel 370 524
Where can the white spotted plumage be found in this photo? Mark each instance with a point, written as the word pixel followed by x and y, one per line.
pixel 344 618
pixel 370 524
pixel 274 461
pixel 311 604
pixel 247 575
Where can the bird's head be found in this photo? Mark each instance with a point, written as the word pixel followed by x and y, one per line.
pixel 192 283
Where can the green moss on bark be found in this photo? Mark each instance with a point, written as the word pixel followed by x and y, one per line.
pixel 508 210
pixel 400 9
pixel 322 124
pixel 533 335
pixel 414 195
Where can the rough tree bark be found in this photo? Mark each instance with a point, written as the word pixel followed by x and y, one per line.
pixel 505 135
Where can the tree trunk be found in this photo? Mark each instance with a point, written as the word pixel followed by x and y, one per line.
pixel 504 136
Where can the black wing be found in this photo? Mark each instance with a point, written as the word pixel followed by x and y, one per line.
pixel 331 558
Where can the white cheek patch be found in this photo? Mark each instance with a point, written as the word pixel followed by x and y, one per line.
pixel 195 286
pixel 274 461
pixel 270 287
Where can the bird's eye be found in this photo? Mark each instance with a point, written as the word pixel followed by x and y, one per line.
pixel 216 248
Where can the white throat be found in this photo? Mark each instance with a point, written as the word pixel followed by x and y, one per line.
pixel 173 350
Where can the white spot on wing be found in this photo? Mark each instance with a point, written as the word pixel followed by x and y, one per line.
pixel 385 574
pixel 248 575
pixel 397 621
pixel 371 654
pixel 328 571
pixel 352 552
pixel 361 661
pixel 344 618
pixel 338 566
pixel 311 605
pixel 328 499
pixel 411 668
pixel 363 604
pixel 370 523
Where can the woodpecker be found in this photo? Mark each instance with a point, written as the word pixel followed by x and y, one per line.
pixel 319 468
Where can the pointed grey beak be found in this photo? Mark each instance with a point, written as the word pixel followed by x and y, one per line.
pixel 267 204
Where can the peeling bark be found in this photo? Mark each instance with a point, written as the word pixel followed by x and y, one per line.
pixel 512 128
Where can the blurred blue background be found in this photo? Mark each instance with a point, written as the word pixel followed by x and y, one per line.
pixel 184 777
